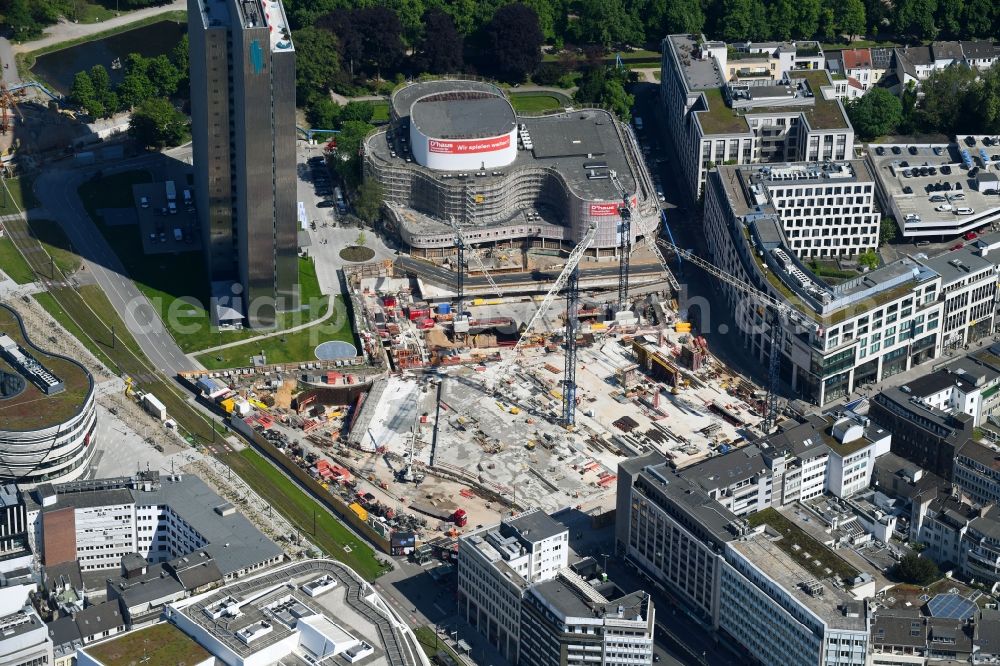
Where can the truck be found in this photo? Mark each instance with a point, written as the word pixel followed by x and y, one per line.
pixel 171 191
pixel 154 406
pixel 178 235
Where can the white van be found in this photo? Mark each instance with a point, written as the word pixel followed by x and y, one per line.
pixel 965 211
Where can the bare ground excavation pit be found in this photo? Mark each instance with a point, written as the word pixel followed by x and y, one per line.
pixel 357 253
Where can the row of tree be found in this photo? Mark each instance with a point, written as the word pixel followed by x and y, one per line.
pixel 955 100
pixel 145 78
pixel 614 23
pixel 25 19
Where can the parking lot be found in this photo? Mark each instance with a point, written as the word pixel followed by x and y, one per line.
pixel 163 231
pixel 939 192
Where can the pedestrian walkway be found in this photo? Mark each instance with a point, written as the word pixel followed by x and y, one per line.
pixel 67 30
pixel 285 331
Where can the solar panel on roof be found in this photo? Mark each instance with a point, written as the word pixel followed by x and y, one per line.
pixel 953 606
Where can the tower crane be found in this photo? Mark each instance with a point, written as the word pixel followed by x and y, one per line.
pixel 626 211
pixel 775 311
pixel 463 244
pixel 569 277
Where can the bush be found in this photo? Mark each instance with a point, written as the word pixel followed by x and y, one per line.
pixel 547 74
pixel 917 570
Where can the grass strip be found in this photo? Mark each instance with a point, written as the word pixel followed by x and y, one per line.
pixel 304 512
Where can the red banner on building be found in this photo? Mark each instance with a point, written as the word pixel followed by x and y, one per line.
pixel 468 146
pixel 607 209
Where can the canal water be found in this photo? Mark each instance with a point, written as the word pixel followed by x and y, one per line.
pixel 59 67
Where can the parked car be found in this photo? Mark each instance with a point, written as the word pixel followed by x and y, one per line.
pixel 944 208
pixel 144 202
pixel 938 198
pixel 970 235
pixel 958 246
pixel 965 211
pixel 922 243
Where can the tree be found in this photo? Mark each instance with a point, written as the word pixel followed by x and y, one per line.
pixel 370 39
pixel 741 20
pixel 850 16
pixel 157 124
pixel 948 17
pixel 869 259
pixel 512 42
pixel 361 239
pixel 916 18
pixel 82 91
pixel 324 113
pixel 782 15
pixel 440 49
pixel 317 64
pixel 163 75
pixel 606 23
pixel 947 106
pixel 605 86
pixel 978 18
pixel 887 230
pixel 368 201
pixel 917 570
pixel 135 89
pixel 807 18
pixel 347 162
pixel 362 111
pixel 877 113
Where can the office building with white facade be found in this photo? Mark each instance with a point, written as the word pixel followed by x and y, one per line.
pixel 161 518
pixel 24 638
pixel 734 577
pixel 779 611
pixel 496 566
pixel 846 332
pixel 723 112
pixel 243 137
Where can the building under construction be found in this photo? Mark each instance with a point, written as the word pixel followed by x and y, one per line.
pixel 456 151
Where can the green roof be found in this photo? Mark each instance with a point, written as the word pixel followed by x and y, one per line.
pixel 159 645
pixel 822 114
pixel 32 409
pixel 792 535
pixel 719 118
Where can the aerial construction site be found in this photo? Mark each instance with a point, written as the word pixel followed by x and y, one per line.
pixel 527 342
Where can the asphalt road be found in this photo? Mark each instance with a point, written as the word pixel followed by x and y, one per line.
pixel 57 188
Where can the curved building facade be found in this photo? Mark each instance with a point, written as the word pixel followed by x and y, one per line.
pixel 531 180
pixel 48 414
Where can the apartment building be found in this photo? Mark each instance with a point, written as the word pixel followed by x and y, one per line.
pixel 14 551
pixel 977 472
pixel 961 534
pixel 957 387
pixel 566 620
pixel 969 279
pixel 496 566
pixel 736 105
pixel 844 333
pixel 863 66
pixel 243 137
pixel 921 433
pixel 98 522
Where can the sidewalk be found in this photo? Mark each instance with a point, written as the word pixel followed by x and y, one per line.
pixel 64 30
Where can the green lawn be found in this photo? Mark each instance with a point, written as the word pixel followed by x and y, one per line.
pixel 48 302
pixel 54 241
pixel 177 284
pixel 158 645
pixel 13 264
pixel 431 644
pixel 381 112
pixel 534 103
pixel 298 507
pixel 18 191
pixel 296 346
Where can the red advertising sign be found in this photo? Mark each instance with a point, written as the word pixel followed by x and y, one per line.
pixel 469 146
pixel 604 209
pixel 607 209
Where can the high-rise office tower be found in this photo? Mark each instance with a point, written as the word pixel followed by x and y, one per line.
pixel 243 130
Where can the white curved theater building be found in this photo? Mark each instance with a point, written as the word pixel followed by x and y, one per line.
pixel 457 149
pixel 47 410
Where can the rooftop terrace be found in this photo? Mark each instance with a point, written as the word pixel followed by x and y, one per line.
pixel 159 645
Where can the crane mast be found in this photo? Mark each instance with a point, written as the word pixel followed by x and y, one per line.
pixel 572 262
